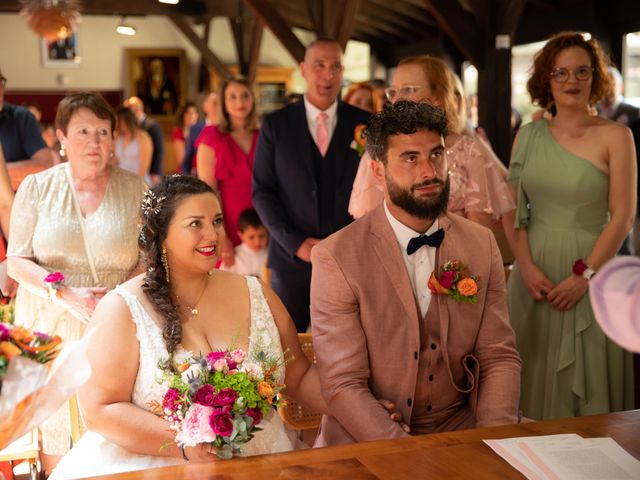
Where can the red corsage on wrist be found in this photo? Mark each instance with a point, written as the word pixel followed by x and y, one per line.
pixel 583 270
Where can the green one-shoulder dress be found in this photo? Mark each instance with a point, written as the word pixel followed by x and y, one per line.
pixel 569 367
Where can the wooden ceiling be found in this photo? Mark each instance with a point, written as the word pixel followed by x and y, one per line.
pixel 394 27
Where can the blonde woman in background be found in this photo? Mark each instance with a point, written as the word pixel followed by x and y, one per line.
pixel 478 187
pixel 133 145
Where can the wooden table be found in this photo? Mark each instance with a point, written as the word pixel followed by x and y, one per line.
pixel 452 455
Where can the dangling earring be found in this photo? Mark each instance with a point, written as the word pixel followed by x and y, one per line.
pixel 165 263
pixel 61 151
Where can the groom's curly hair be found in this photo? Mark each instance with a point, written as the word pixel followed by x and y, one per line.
pixel 403 117
pixel 157 210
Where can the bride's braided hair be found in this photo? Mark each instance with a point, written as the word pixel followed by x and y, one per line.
pixel 157 210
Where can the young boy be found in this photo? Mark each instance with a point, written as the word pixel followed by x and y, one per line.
pixel 251 254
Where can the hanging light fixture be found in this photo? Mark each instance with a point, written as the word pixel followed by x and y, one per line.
pixel 51 19
pixel 124 28
pixel 170 2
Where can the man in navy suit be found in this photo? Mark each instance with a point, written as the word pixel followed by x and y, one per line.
pixel 210 109
pixel 303 174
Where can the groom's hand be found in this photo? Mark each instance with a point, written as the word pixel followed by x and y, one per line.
pixel 396 416
pixel 304 251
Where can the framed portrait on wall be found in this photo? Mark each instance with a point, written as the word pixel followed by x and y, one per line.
pixel 159 77
pixel 63 52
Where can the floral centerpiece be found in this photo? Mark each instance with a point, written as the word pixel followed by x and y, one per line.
pixel 218 399
pixel 456 281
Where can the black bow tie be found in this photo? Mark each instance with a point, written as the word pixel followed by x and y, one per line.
pixel 433 240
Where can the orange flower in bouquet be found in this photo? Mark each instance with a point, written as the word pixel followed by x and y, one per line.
pixel 33 384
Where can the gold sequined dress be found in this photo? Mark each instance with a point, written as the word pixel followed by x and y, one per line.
pixel 46 229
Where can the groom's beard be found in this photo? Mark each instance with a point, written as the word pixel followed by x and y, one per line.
pixel 425 208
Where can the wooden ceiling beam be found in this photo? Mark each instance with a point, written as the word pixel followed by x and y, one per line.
pixel 270 18
pixel 404 16
pixel 346 21
pixel 459 26
pixel 253 54
pixel 208 56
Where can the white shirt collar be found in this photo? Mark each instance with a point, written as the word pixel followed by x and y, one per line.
pixel 403 233
pixel 313 111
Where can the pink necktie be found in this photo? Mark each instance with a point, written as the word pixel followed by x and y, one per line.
pixel 322 135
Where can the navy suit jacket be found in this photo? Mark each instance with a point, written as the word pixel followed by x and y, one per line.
pixel 286 183
pixel 189 147
pixel 157 138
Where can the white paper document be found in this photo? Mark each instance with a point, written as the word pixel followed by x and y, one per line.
pixel 567 457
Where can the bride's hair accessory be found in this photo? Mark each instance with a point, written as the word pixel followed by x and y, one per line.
pixel 151 203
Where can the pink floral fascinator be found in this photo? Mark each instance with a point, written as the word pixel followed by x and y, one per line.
pixel 615 298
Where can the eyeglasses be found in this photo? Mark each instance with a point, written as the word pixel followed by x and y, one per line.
pixel 582 74
pixel 3 82
pixel 403 92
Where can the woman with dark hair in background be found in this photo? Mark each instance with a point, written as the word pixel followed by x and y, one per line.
pixel 188 116
pixel 574 179
pixel 225 156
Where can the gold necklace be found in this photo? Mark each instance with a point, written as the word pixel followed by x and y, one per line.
pixel 194 310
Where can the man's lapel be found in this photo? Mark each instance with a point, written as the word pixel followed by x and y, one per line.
pixel 386 248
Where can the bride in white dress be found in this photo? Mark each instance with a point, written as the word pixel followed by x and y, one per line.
pixel 181 304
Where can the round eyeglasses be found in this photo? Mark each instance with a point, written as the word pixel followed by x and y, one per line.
pixel 561 75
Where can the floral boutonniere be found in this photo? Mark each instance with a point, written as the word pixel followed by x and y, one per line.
pixel 456 281
pixel 358 143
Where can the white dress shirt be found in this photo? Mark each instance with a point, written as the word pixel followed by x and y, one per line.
pixel 247 261
pixel 312 118
pixel 420 264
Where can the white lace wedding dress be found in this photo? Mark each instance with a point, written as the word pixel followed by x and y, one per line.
pixel 94 455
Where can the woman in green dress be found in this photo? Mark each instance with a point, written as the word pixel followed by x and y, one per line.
pixel 574 178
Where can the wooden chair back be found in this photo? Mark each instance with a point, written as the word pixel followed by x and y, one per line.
pixel 292 413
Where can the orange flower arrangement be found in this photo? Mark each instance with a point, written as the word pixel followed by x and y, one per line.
pixel 359 143
pixel 455 281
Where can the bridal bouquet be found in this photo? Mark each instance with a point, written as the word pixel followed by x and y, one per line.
pixel 218 399
pixel 36 376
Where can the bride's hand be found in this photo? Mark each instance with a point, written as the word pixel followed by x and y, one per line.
pixel 200 453
pixel 396 416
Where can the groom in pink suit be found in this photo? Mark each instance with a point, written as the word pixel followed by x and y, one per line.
pixel 378 329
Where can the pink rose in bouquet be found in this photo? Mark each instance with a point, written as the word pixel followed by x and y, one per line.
pixel 195 426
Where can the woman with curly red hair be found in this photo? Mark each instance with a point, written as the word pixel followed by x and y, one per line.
pixel 574 180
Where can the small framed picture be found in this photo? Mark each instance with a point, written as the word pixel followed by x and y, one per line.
pixel 63 52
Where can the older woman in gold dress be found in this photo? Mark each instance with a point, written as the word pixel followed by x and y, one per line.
pixel 78 218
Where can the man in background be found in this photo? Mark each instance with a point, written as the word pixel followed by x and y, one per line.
pixel 303 174
pixel 24 149
pixel 156 170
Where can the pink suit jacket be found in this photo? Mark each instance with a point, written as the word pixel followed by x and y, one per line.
pixel 366 329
